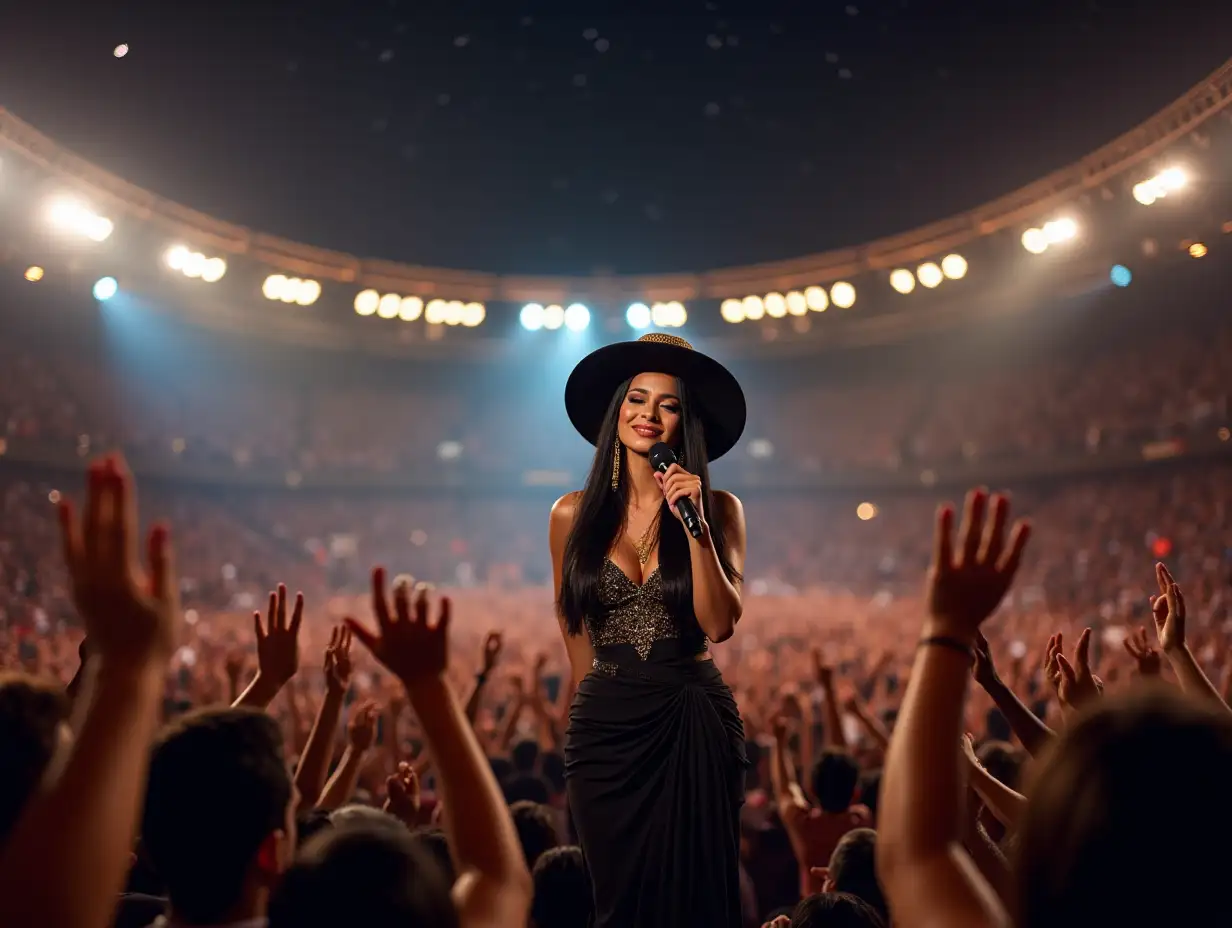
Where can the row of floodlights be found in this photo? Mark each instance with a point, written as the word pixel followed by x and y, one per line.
pixel 283 289
pixel 73 216
pixel 410 308
pixel 1156 188
pixel 1053 232
pixel 195 265
pixel 794 303
pixel 930 274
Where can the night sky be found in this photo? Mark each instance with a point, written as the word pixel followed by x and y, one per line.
pixel 526 137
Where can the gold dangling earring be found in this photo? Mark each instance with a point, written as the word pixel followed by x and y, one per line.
pixel 616 464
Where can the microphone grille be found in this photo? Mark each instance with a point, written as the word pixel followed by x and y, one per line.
pixel 661 456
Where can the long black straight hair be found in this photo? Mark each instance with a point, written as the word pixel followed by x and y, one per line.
pixel 600 519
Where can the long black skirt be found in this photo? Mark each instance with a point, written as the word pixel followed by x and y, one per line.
pixel 654 766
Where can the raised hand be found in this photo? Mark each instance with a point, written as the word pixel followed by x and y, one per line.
pixel 966 586
pixel 983 669
pixel 1075 684
pixel 402 798
pixel 338 660
pixel 492 643
pixel 823 671
pixel 234 666
pixel 130 614
pixel 278 640
pixel 1146 657
pixel 405 642
pixel 361 727
pixel 1168 610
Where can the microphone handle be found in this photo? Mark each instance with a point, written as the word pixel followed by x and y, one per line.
pixel 688 512
pixel 688 515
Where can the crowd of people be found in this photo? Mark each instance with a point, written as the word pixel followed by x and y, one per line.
pixel 369 750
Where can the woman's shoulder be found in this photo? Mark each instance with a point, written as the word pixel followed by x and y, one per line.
pixel 563 512
pixel 727 504
pixel 566 506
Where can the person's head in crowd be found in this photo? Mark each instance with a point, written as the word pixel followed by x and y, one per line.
pixel 219 822
pixel 526 787
pixel 1105 800
pixel 363 873
pixel 357 813
pixel 1002 760
pixel 536 829
pixel 552 768
pixel 310 824
pixel 436 843
pixel 562 890
pixel 525 756
pixel 835 910
pixel 33 724
pixel 502 769
pixel 834 778
pixel 853 869
pixel 870 790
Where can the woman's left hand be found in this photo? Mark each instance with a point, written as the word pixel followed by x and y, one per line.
pixel 678 484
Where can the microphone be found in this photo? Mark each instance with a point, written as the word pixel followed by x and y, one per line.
pixel 661 458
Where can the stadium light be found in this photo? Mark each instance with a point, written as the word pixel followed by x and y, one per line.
pixel 577 317
pixel 732 311
pixel 817 299
pixel 195 265
pixel 531 317
pixel 411 308
pixel 435 312
pixel 473 314
pixel 105 288
pixel 669 315
pixel 902 280
pixel 1053 232
pixel 954 267
pixel 776 305
pixel 1156 188
pixel 638 316
pixel 71 215
pixel 754 307
pixel 929 275
pixel 1197 250
pixel 797 305
pixel 34 273
pixel 366 302
pixel 553 316
pixel 843 295
pixel 284 289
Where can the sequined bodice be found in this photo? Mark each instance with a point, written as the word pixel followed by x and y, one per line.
pixel 636 615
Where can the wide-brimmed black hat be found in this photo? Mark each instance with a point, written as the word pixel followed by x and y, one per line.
pixel 713 392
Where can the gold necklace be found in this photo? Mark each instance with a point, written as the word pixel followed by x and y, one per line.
pixel 646 544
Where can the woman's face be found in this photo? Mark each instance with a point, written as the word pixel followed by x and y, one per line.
pixel 650 413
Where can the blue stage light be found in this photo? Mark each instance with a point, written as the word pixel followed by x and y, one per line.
pixel 105 288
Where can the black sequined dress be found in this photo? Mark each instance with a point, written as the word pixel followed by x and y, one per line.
pixel 654 763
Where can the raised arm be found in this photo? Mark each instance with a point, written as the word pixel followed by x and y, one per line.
pixel 319 750
pixel 929 878
pixel 361 734
pixel 491 652
pixel 834 735
pixel 581 652
pixel 277 650
pixel 1031 732
pixel 493 887
pixel 67 857
pixel 1168 610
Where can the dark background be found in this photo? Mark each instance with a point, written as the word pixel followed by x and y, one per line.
pixel 532 137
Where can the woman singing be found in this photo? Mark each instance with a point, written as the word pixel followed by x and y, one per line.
pixel 655 752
